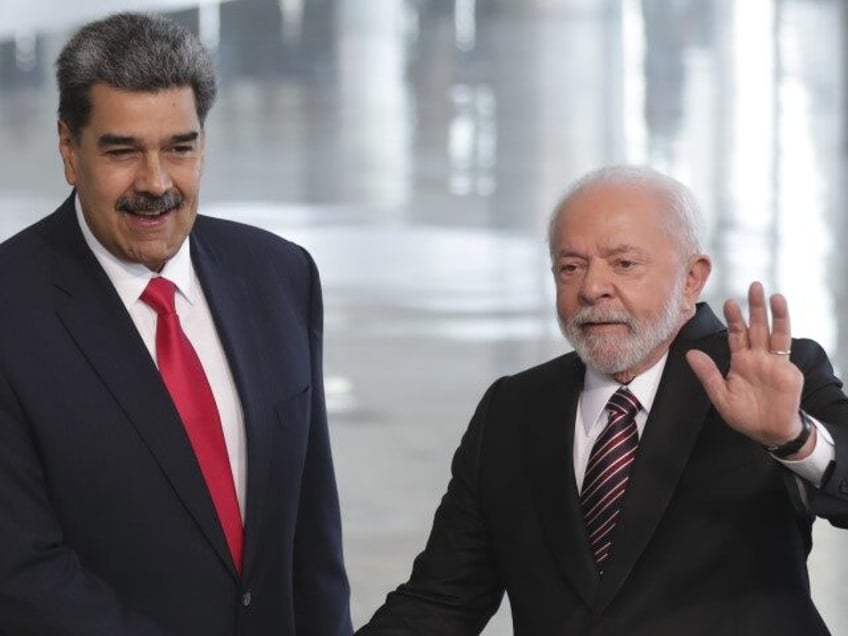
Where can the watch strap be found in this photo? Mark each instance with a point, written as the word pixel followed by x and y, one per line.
pixel 794 445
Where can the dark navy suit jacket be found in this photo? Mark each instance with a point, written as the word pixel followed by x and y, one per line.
pixel 106 526
pixel 712 538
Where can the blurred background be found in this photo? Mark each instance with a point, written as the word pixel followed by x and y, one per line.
pixel 416 148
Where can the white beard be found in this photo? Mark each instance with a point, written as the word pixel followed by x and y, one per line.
pixel 611 354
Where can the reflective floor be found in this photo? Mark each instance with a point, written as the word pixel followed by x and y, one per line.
pixel 416 148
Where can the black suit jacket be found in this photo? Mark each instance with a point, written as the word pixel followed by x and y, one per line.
pixel 712 538
pixel 106 526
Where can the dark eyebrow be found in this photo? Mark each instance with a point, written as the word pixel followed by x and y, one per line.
pixel 185 137
pixel 109 139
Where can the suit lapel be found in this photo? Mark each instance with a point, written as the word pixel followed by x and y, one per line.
pixel 228 301
pixel 550 468
pixel 96 319
pixel 671 431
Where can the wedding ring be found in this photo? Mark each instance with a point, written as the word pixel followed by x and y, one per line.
pixel 778 352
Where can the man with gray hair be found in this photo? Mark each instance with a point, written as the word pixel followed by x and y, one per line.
pixel 660 480
pixel 165 464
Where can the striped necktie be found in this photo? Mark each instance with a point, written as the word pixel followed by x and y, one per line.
pixel 608 471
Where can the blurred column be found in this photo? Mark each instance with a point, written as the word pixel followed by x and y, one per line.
pixel 376 121
pixel 807 41
pixel 744 197
pixel 558 91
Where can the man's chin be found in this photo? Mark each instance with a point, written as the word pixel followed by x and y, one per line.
pixel 606 367
pixel 601 359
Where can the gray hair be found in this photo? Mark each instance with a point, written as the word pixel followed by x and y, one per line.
pixel 135 52
pixel 684 223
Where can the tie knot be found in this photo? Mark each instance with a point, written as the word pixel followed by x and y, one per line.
pixel 623 402
pixel 159 294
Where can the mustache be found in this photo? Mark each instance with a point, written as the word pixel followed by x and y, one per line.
pixel 597 314
pixel 148 203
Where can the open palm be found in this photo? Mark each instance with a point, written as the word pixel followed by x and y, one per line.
pixel 761 395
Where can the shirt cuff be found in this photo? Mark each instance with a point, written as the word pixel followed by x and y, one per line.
pixel 813 467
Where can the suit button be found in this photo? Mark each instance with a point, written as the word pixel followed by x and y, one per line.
pixel 843 487
pixel 246 598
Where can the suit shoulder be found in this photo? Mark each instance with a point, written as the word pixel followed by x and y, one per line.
pixel 235 240
pixel 25 252
pixel 542 376
pixel 237 233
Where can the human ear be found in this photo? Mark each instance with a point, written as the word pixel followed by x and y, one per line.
pixel 697 272
pixel 67 150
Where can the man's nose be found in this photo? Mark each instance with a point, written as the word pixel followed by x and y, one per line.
pixel 152 176
pixel 596 284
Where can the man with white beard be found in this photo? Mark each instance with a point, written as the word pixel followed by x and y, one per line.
pixel 660 480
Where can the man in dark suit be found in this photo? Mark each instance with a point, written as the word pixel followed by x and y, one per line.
pixel 198 502
pixel 662 479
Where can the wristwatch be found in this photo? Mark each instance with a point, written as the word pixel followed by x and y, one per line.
pixel 794 445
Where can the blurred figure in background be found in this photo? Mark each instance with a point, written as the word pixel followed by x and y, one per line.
pixel 660 480
pixel 164 457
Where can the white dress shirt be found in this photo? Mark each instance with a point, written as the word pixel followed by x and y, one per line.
pixel 592 409
pixel 592 418
pixel 129 280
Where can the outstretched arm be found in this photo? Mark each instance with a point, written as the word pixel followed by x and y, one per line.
pixel 455 587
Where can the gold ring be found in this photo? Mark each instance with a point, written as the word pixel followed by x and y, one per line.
pixel 778 352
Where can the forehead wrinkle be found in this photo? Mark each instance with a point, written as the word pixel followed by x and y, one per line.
pixel 605 252
pixel 622 249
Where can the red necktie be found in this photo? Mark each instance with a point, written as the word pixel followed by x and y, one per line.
pixel 608 472
pixel 183 375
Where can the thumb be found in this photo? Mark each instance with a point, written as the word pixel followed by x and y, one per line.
pixel 708 374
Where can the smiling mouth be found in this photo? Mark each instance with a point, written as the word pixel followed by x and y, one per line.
pixel 148 214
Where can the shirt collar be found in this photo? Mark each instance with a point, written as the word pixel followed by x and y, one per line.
pixel 598 389
pixel 130 279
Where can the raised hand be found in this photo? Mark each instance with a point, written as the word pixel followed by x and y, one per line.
pixel 761 395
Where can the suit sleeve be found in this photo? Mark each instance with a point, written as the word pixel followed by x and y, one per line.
pixel 322 594
pixel 455 586
pixel 823 398
pixel 44 588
